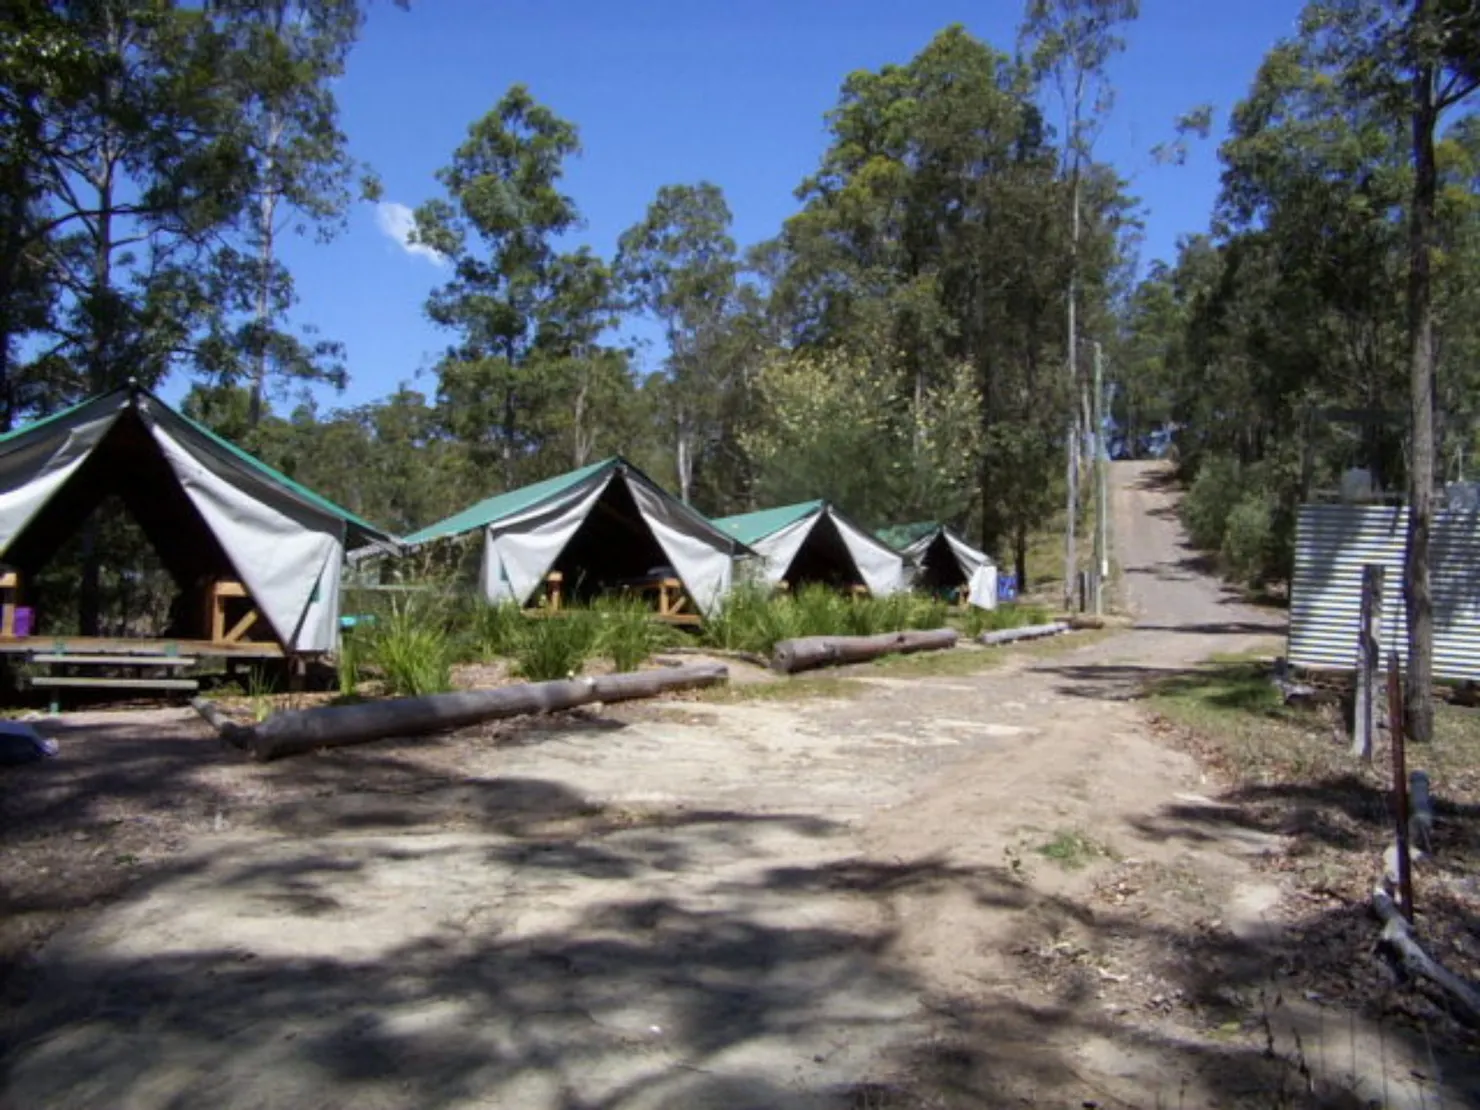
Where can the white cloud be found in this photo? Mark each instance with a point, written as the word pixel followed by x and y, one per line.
pixel 397 222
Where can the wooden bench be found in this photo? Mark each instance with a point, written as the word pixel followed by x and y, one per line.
pixel 220 594
pixel 58 657
pixel 554 582
pixel 672 598
pixel 10 597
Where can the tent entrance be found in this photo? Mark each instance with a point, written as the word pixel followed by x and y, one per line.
pixel 823 560
pixel 940 571
pixel 612 549
pixel 119 550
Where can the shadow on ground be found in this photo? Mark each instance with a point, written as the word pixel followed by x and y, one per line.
pixel 784 987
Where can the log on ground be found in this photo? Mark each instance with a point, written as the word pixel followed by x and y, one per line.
pixel 332 726
pixel 808 652
pixel 1026 632
pixel 1397 935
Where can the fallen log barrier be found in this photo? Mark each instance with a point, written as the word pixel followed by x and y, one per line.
pixel 1397 934
pixel 1026 632
pixel 333 726
pixel 791 656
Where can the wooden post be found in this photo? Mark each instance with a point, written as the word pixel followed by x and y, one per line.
pixel 1400 787
pixel 1369 659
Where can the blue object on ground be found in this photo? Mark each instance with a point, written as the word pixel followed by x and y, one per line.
pixel 20 743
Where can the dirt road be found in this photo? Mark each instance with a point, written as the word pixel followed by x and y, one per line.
pixel 976 890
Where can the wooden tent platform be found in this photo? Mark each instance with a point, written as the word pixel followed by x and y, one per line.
pixel 124 647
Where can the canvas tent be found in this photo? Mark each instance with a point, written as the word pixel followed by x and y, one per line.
pixel 209 510
pixel 814 542
pixel 943 561
pixel 602 527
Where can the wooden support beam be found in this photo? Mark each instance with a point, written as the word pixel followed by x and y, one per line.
pixel 100 683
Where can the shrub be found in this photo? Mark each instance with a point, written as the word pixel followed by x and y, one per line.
pixel 411 646
pixel 821 611
pixel 556 646
pixel 1247 538
pixel 492 630
pixel 628 633
pixel 351 651
pixel 1211 499
pixel 1009 615
pixel 751 619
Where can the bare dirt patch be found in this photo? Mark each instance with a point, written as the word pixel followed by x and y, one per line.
pixel 920 886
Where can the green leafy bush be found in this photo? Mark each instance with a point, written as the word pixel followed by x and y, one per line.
pixel 1214 493
pixel 824 612
pixel 492 630
pixel 1247 539
pixel 1008 615
pixel 556 646
pixel 348 663
pixel 628 634
pixel 753 620
pixel 412 647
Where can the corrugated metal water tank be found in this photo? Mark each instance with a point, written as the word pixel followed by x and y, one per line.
pixel 1332 544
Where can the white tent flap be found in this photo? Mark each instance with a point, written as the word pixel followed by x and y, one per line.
pixel 781 547
pixel 520 549
pixel 982 591
pixel 968 558
pixel 38 465
pixel 280 559
pixel 880 566
pixel 705 567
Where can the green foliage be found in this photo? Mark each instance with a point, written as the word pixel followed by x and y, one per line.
pixel 1214 493
pixel 753 620
pixel 628 634
pixel 973 622
pixel 557 646
pixel 491 630
pixel 412 647
pixel 350 661
pixel 1247 536
pixel 1073 850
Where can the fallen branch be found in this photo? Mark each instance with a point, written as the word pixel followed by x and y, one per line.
pixel 1026 632
pixel 1397 934
pixel 791 656
pixel 332 726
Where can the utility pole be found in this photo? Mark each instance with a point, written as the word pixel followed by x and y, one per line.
pixel 1102 506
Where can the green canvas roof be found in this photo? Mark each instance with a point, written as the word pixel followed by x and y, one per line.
pixel 369 531
pixel 901 536
pixel 749 528
pixel 502 505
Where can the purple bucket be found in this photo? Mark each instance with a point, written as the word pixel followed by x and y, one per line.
pixel 24 618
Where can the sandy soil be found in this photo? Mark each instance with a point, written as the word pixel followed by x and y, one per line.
pixel 850 902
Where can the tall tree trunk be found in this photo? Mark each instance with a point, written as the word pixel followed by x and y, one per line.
pixel 266 247
pixel 1417 596
pixel 581 450
pixel 1071 553
pixel 683 456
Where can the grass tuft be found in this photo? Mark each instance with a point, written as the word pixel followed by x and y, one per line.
pixel 1073 850
pixel 557 646
pixel 413 647
pixel 628 635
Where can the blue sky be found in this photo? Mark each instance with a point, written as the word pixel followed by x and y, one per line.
pixel 669 91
